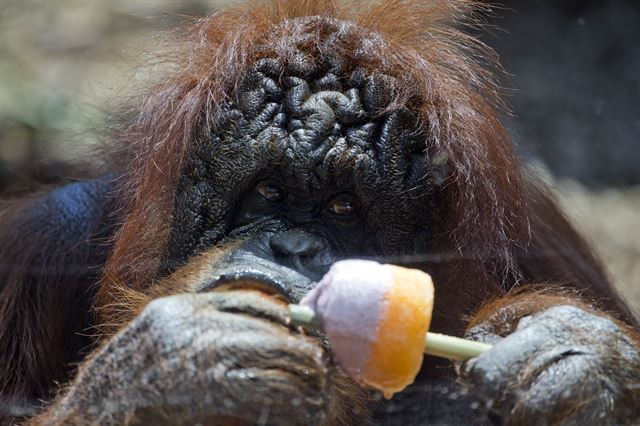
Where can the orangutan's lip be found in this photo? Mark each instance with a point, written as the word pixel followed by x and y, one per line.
pixel 249 280
pixel 243 271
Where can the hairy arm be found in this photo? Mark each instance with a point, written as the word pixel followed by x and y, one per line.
pixel 555 357
pixel 223 357
pixel 51 247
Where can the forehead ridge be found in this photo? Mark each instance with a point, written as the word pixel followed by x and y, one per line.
pixel 323 118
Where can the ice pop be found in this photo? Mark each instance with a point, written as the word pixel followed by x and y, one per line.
pixel 376 318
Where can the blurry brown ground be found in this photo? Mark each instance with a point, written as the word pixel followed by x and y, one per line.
pixel 62 61
pixel 610 219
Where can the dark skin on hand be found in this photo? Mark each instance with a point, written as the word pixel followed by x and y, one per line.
pixel 288 136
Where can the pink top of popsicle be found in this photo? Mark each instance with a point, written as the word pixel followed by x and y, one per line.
pixel 348 303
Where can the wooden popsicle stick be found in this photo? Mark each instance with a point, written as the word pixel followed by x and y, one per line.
pixel 436 344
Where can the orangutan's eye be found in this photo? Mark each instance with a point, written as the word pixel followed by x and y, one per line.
pixel 270 191
pixel 343 205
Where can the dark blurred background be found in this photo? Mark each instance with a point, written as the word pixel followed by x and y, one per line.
pixel 576 68
pixel 574 65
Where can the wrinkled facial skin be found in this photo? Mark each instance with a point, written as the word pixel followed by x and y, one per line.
pixel 303 172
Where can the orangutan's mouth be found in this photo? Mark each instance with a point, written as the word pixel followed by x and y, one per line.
pixel 244 271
